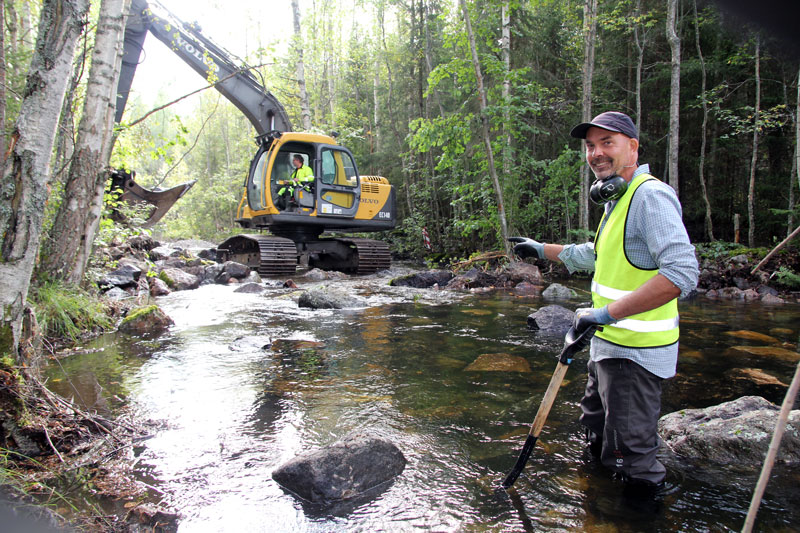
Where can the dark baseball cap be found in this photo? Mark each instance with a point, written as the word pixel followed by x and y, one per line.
pixel 611 121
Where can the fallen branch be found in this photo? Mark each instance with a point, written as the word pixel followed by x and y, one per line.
pixel 775 250
pixel 772 452
pixel 488 256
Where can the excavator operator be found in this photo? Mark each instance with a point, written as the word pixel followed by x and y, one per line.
pixel 302 177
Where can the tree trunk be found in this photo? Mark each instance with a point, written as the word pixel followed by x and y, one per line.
pixel 65 136
pixel 487 141
pixel 376 117
pixel 796 164
pixel 751 191
pixel 24 188
pixel 11 25
pixel 329 67
pixel 674 95
pixel 703 132
pixel 790 215
pixel 589 33
pixel 2 85
pixel 305 106
pixel 505 46
pixel 67 250
pixel 640 40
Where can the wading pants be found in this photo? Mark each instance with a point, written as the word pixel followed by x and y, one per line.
pixel 621 406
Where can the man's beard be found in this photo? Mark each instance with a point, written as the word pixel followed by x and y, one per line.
pixel 609 170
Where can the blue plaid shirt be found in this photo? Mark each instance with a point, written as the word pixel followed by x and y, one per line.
pixel 655 237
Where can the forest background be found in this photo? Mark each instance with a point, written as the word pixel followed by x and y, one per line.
pixel 716 102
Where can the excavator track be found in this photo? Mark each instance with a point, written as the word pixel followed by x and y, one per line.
pixel 269 255
pixel 371 255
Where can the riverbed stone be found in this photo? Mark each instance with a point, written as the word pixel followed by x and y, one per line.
pixel 326 298
pixel 423 280
pixel 499 362
pixel 752 336
pixel 764 351
pixel 171 262
pixel 553 319
pixel 125 276
pixel 556 291
pixel 251 288
pixel 520 271
pixel 772 299
pixel 756 376
pixel 142 241
pixel 116 294
pixel 179 280
pixel 524 288
pixel 236 270
pixel 736 432
pixel 252 277
pixel 158 287
pixel 251 343
pixel 317 274
pixel 349 467
pixel 160 253
pixel 149 321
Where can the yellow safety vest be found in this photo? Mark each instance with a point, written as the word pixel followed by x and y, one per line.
pixel 615 276
pixel 303 174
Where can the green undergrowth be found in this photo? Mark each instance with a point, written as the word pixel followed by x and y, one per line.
pixel 721 250
pixel 66 312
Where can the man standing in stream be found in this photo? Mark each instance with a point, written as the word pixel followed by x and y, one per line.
pixel 642 261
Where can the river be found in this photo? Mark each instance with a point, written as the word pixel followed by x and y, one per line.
pixel 242 383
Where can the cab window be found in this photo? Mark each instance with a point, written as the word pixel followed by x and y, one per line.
pixel 255 193
pixel 338 168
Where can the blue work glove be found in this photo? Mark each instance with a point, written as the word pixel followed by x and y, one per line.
pixel 591 317
pixel 526 247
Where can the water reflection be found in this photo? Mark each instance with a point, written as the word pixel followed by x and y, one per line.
pixel 242 383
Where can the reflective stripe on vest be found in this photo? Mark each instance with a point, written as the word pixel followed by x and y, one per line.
pixel 616 277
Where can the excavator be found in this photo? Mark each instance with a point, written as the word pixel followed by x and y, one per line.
pixel 338 199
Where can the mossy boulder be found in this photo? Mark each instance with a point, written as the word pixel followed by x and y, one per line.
pixel 145 321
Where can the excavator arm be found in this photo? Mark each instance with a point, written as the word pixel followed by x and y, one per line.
pixel 236 83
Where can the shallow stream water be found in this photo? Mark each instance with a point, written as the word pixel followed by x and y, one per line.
pixel 227 410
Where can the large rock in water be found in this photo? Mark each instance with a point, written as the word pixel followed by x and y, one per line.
pixel 342 470
pixel 553 319
pixel 148 321
pixel 423 280
pixel 323 298
pixel 733 432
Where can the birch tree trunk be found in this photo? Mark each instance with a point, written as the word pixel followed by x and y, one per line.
pixel 23 192
pixel 703 133
pixel 751 191
pixel 376 117
pixel 589 34
pixel 2 85
pixel 505 46
pixel 487 141
pixel 305 106
pixel 69 246
pixel 790 215
pixel 674 95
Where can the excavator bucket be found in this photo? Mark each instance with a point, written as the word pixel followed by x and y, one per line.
pixel 133 193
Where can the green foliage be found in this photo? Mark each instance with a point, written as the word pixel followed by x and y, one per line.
pixel 67 312
pixel 788 278
pixel 717 249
